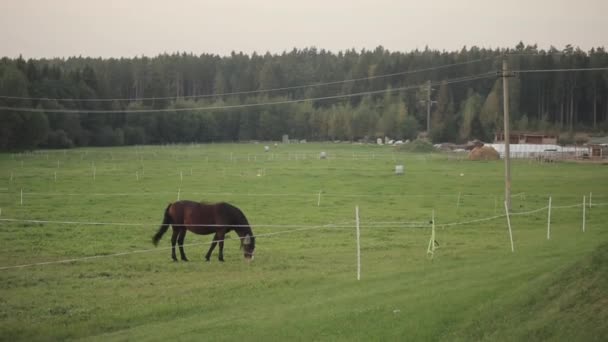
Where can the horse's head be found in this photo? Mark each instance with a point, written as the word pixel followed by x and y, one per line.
pixel 248 246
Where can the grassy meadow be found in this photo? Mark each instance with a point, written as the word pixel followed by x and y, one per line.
pixel 302 284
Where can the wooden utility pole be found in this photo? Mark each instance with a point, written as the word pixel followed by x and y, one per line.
pixel 428 109
pixel 505 99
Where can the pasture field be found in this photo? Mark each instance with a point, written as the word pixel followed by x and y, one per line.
pixel 302 284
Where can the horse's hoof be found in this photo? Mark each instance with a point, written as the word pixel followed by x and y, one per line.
pixel 221 260
pixel 207 259
pixel 174 260
pixel 185 259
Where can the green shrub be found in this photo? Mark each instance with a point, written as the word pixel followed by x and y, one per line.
pixel 418 145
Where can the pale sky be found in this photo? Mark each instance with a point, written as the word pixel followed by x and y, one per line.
pixel 126 28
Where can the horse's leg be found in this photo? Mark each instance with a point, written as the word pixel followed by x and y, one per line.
pixel 220 236
pixel 180 242
pixel 213 243
pixel 173 241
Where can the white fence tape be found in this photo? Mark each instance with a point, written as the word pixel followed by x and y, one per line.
pixel 152 249
pixel 297 228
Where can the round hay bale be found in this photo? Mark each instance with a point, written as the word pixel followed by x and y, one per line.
pixel 484 153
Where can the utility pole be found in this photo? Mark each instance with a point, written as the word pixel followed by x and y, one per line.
pixel 428 109
pixel 429 103
pixel 505 99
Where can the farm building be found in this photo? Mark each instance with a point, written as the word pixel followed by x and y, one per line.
pixel 527 138
pixel 598 151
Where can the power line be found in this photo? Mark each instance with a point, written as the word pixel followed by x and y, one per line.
pixel 323 98
pixel 560 70
pixel 134 99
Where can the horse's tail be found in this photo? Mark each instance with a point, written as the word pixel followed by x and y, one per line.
pixel 167 221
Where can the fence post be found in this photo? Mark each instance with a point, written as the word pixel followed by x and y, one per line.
pixel 21 196
pixel 583 214
pixel 319 199
pixel 509 224
pixel 431 249
pixel 358 244
pixel 549 221
pixel 179 190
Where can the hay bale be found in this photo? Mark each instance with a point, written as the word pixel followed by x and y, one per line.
pixel 484 153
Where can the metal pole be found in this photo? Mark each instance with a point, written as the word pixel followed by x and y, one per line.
pixel 505 96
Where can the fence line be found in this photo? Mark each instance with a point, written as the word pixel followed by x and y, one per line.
pixel 301 228
pixel 572 206
pixel 346 224
pixel 511 213
pixel 151 250
pixel 85 223
pixel 325 193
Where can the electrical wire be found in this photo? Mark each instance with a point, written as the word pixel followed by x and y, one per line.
pixel 135 99
pixel 208 108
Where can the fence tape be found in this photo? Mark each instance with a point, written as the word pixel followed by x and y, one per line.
pixel 298 228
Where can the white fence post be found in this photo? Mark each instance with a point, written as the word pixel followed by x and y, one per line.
pixel 319 199
pixel 431 248
pixel 179 191
pixel 583 214
pixel 549 221
pixel 358 244
pixel 509 224
pixel 21 196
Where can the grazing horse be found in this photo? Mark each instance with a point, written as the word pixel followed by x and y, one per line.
pixel 203 218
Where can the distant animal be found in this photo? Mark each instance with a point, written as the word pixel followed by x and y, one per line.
pixel 203 218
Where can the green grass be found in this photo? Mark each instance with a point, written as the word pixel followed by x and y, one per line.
pixel 302 284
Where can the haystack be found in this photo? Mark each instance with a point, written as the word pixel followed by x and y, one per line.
pixel 484 153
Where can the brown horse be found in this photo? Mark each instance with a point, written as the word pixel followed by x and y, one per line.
pixel 203 218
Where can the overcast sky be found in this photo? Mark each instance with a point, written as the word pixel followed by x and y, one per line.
pixel 115 28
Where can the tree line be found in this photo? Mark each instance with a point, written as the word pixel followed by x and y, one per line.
pixel 391 98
